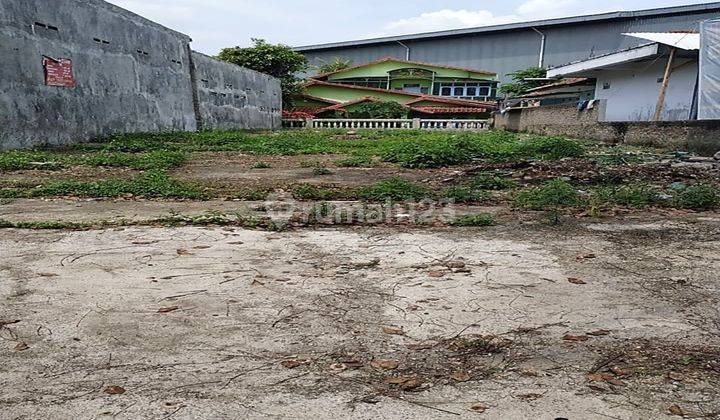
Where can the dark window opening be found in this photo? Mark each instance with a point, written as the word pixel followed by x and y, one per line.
pixel 46 26
pixel 606 85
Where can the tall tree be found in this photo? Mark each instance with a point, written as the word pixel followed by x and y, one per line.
pixel 521 84
pixel 278 61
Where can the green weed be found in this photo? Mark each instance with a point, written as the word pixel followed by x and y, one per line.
pixel 482 219
pixel 395 189
pixel 355 162
pixel 698 197
pixel 260 165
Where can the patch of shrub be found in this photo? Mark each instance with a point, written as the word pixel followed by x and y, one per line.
pixel 550 196
pixel 155 184
pixel 465 194
pixel 17 160
pixel 482 219
pixel 381 110
pixel 395 189
pixel 634 195
pixel 698 197
pixel 313 192
pixel 551 148
pixel 321 170
pixel 432 154
pixel 355 162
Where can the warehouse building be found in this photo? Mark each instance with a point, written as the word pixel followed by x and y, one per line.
pixel 507 48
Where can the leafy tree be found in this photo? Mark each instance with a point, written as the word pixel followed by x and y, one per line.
pixel 520 85
pixel 278 61
pixel 380 110
pixel 337 64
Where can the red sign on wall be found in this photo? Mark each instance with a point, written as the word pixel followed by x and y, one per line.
pixel 59 72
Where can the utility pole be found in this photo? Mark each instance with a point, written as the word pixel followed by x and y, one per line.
pixel 666 81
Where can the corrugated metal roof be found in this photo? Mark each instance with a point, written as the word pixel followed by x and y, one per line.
pixel 678 10
pixel 685 41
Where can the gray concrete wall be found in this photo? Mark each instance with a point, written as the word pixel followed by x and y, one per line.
pixel 565 120
pixel 632 92
pixel 132 75
pixel 233 97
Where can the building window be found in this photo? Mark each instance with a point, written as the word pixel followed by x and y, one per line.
pixel 467 90
pixel 371 82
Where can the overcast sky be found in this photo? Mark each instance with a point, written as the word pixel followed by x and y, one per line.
pixel 214 24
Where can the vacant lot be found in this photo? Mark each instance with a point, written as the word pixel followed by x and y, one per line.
pixel 387 275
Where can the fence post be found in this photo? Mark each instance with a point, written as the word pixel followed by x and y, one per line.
pixel 416 123
pixel 308 123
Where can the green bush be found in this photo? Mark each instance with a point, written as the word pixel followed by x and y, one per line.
pixel 634 195
pixel 698 197
pixel 481 219
pixel 355 162
pixel 380 110
pixel 18 160
pixel 154 184
pixel 552 195
pixel 432 154
pixel 396 189
pixel 551 148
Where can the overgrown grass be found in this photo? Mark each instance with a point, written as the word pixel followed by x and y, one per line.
pixel 465 194
pixel 495 146
pixel 698 197
pixel 355 162
pixel 395 189
pixel 21 160
pixel 631 195
pixel 151 184
pixel 550 196
pixel 411 149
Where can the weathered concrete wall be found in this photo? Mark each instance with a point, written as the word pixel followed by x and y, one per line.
pixel 234 97
pixel 131 75
pixel 632 92
pixel 565 120
pixel 128 84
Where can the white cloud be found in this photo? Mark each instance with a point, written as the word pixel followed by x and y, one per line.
pixel 457 19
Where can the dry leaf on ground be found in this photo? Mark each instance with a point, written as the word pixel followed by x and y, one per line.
pixel 393 331
pixel 114 390
pixel 384 364
pixel 168 309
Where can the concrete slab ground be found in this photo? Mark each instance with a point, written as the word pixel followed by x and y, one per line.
pixel 612 319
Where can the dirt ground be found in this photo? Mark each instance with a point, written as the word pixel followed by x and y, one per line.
pixel 593 319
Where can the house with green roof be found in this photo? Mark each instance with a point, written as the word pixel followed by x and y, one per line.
pixel 425 89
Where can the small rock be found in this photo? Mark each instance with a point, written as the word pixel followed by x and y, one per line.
pixel 411 385
pixel 461 376
pixel 677 186
pixel 676 410
pixel 393 331
pixel 384 364
pixel 114 390
pixel 479 408
pixel 455 264
pixel 663 197
pixel 717 156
